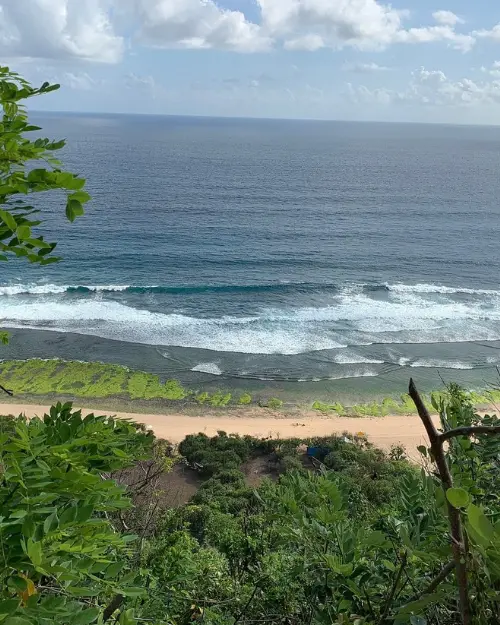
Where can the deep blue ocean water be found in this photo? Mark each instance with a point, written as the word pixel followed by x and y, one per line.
pixel 282 251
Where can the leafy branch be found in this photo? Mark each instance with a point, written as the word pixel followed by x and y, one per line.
pixel 454 500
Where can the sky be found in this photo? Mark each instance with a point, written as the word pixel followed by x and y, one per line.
pixel 411 60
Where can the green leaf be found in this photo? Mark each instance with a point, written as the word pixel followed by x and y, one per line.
pixel 9 606
pixel 8 220
pixel 17 620
pixel 68 516
pixel 84 513
pixel 34 551
pixel 51 523
pixel 73 209
pixel 85 616
pixel 132 592
pixel 18 514
pixel 480 522
pixel 423 450
pixel 418 620
pixel 23 232
pixel 82 592
pixel 113 570
pixel 458 497
pixel 18 582
pixel 80 196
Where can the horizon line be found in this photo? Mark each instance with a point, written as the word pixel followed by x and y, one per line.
pixel 273 119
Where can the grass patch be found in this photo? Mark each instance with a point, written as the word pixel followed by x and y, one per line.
pixel 86 379
pixel 405 405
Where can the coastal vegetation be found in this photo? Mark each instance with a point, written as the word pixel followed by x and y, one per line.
pixel 344 534
pixel 94 380
pixel 291 532
pixel 29 167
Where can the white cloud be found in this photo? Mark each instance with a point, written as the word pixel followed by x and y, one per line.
pixel 79 81
pixel 364 68
pixel 95 30
pixel 314 24
pixel 197 24
pixel 448 18
pixel 364 24
pixel 431 88
pixel 133 81
pixel 58 29
pixel 494 33
pixel 494 70
pixel 429 34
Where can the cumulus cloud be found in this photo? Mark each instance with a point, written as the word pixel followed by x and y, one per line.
pixel 59 29
pixel 431 34
pixel 79 81
pixel 364 68
pixel 96 30
pixel 448 18
pixel 494 70
pixel 133 81
pixel 314 24
pixel 431 88
pixel 364 24
pixel 494 33
pixel 197 24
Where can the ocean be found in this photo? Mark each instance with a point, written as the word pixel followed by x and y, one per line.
pixel 316 258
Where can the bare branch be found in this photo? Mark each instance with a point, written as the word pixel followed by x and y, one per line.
pixel 456 530
pixel 112 607
pixel 7 390
pixel 394 587
pixel 440 577
pixel 470 431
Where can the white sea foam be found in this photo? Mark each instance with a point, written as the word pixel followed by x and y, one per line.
pixel 436 288
pixel 351 358
pixel 56 289
pixel 352 318
pixel 441 364
pixel 208 367
pixel 114 320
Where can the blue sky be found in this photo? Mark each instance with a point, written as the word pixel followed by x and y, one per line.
pixel 411 60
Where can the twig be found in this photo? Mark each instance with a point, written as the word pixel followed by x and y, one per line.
pixel 440 577
pixel 7 390
pixel 112 607
pixel 470 431
pixel 456 531
pixel 392 592
pixel 247 605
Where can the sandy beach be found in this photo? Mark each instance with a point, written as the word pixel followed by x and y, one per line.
pixel 382 431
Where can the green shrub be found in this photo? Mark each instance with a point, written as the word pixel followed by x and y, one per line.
pixel 202 398
pixel 220 399
pixel 245 399
pixel 274 403
pixel 174 390
pixel 291 463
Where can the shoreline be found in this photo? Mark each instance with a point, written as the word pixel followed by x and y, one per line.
pixel 174 426
pixel 119 388
pixel 301 379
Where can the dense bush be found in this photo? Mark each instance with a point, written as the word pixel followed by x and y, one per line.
pixel 62 559
pixel 219 453
pixel 364 539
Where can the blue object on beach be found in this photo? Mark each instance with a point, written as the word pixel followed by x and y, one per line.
pixel 317 452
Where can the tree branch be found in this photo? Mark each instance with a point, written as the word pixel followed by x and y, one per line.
pixel 440 577
pixel 112 607
pixel 456 531
pixel 470 431
pixel 392 592
pixel 7 390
